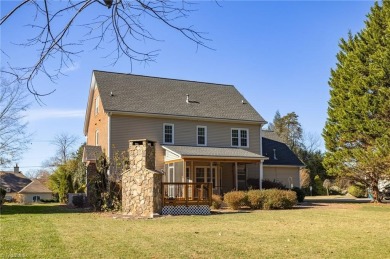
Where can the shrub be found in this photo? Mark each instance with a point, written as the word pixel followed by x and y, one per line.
pixel 300 194
pixel 235 199
pixel 48 200
pixel 216 201
pixel 279 199
pixel 2 196
pixel 267 184
pixel 256 199
pixel 78 201
pixel 357 190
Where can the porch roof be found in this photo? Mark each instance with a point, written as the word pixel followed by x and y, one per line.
pixel 210 153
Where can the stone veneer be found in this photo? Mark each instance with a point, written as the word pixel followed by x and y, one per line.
pixel 141 184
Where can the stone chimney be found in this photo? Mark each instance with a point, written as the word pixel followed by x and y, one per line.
pixel 16 169
pixel 142 154
pixel 141 184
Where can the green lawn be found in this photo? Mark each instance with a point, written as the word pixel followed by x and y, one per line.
pixel 338 230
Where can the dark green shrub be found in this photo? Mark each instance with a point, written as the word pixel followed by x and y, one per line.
pixel 256 199
pixel 216 201
pixel 279 199
pixel 357 190
pixel 253 184
pixel 267 184
pixel 235 199
pixel 78 201
pixel 2 196
pixel 300 194
pixel 48 200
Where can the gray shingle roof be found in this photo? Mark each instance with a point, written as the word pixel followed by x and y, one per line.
pixel 35 187
pixel 91 153
pixel 153 95
pixel 283 153
pixel 14 181
pixel 215 152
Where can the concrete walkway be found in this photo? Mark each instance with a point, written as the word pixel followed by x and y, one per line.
pixel 336 199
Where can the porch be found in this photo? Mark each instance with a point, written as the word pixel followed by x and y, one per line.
pixel 225 169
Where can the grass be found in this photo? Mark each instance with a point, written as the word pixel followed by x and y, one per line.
pixel 338 230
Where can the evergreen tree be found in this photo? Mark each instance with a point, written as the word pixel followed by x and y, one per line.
pixel 289 130
pixel 271 126
pixel 357 131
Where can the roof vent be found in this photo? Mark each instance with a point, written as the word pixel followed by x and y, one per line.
pixel 275 158
pixel 111 93
pixel 243 102
pixel 188 98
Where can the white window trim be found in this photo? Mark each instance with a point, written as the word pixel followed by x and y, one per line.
pixel 205 136
pixel 239 137
pixel 97 138
pixel 97 105
pixel 173 133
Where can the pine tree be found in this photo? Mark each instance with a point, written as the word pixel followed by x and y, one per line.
pixel 357 131
pixel 289 130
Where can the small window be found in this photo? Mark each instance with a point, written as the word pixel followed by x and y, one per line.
pixel 97 105
pixel 168 133
pixel 97 138
pixel 201 135
pixel 240 138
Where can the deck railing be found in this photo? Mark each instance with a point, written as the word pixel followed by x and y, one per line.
pixel 187 193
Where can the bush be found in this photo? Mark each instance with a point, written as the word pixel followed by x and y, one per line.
pixel 216 201
pixel 300 194
pixel 235 199
pixel 357 190
pixel 48 200
pixel 78 201
pixel 267 184
pixel 256 199
pixel 279 199
pixel 2 196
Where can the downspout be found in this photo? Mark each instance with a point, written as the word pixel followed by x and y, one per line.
pixel 109 139
pixel 261 161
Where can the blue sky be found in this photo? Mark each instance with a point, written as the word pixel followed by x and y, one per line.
pixel 278 54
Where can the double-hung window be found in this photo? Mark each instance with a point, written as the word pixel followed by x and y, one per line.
pixel 240 138
pixel 97 138
pixel 168 133
pixel 201 135
pixel 97 105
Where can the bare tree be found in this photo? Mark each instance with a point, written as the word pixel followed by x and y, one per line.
pixel 65 143
pixel 14 138
pixel 116 29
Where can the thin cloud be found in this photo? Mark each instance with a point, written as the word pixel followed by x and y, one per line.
pixel 73 67
pixel 45 114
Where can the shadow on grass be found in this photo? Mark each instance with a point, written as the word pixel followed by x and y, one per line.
pixel 12 209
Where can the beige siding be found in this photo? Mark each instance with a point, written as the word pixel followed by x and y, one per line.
pixel 124 128
pixel 28 198
pixel 283 175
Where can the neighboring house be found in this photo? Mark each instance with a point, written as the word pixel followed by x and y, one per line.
pixel 202 132
pixel 283 165
pixel 34 192
pixel 13 182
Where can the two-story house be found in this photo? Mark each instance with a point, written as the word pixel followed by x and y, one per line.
pixel 204 132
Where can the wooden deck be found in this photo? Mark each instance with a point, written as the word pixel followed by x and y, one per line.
pixel 175 194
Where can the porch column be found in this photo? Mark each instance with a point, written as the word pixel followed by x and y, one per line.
pixel 236 174
pixel 211 171
pixel 261 175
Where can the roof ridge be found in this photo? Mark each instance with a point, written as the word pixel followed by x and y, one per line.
pixel 159 77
